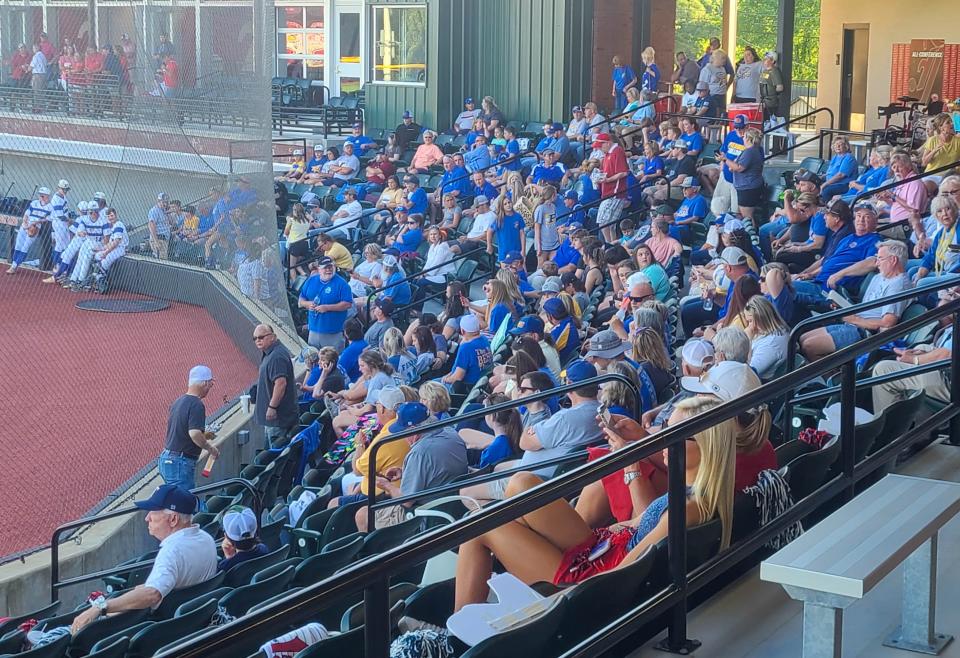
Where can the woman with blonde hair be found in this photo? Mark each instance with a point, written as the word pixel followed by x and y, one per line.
pixel 555 544
pixel 650 353
pixel 617 397
pixel 840 171
pixel 395 352
pixel 359 399
pixel 509 279
pixel 650 81
pixel 436 398
pixel 718 78
pixel 769 336
pixel 942 147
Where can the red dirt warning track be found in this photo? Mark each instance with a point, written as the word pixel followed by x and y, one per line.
pixel 84 398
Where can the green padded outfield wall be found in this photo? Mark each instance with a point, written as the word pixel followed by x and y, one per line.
pixel 533 56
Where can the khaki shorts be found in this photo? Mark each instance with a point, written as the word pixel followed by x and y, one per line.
pixel 388 516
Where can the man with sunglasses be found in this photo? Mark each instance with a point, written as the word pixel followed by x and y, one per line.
pixel 640 291
pixel 783 218
pixel 276 396
pixel 805 238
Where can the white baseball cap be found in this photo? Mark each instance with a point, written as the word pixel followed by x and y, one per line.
pixel 697 352
pixel 82 206
pixel 200 374
pixel 734 256
pixel 728 380
pixel 469 324
pixel 638 278
pixel 63 184
pixel 44 191
pixel 391 397
pixel 732 225
pixel 100 196
pixel 831 418
pixel 240 523
pixel 389 260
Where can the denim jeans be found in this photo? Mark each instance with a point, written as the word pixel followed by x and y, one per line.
pixel 277 437
pixel 768 232
pixel 177 469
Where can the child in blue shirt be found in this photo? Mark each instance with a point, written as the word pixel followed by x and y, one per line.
pixel 509 231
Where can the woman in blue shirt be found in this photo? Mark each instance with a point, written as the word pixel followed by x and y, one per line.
pixel 651 74
pixel 508 231
pixel 623 79
pixel 653 165
pixel 507 427
pixel 411 235
pixel 499 306
pixel 840 171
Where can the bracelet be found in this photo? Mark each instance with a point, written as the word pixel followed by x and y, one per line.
pixel 270 406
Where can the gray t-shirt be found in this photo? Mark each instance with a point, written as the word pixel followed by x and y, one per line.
pixel 881 287
pixel 716 77
pixel 531 419
pixel 375 333
pixel 565 430
pixel 439 457
pixel 158 216
pixel 186 413
pixel 546 217
pixel 747 84
pixel 276 363
pixel 767 353
pixel 374 384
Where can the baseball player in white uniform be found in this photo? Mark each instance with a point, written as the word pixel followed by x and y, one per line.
pixel 36 214
pixel 115 242
pixel 59 221
pixel 77 237
pixel 94 230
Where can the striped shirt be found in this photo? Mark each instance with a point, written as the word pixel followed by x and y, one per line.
pixel 119 234
pixel 37 212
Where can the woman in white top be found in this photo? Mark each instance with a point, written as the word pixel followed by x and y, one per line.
pixel 439 253
pixel 365 272
pixel 769 336
pixel 747 84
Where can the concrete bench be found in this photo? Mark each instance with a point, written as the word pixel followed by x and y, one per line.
pixel 844 556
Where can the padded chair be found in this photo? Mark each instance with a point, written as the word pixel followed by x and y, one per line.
pixel 89 635
pixel 243 598
pixel 597 601
pixel 310 533
pixel 270 533
pixel 193 604
pixel 175 599
pixel 746 517
pixel 242 573
pixel 132 578
pixel 353 618
pixel 12 622
pixel 790 450
pixel 898 418
pixel 864 438
pixel 110 648
pixel 11 642
pixel 342 523
pixel 56 649
pixel 383 539
pixel 345 645
pixel 806 473
pixel 524 640
pixel 273 599
pixel 324 564
pixel 149 640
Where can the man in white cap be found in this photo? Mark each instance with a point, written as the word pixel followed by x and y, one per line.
pixel 696 357
pixel 77 238
pixel 706 310
pixel 473 357
pixel 727 381
pixel 158 221
pixel 240 542
pixel 59 223
pixel 186 435
pixel 34 216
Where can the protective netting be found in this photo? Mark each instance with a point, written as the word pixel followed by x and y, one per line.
pixel 149 126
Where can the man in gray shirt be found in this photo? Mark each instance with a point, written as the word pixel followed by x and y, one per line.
pixel 436 457
pixel 276 408
pixel 158 223
pixel 568 428
pixel 380 311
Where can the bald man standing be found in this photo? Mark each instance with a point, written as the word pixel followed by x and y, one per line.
pixel 276 408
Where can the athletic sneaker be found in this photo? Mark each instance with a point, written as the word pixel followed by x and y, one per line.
pixel 12 269
pixel 50 279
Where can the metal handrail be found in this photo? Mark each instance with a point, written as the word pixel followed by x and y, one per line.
pixel 373 576
pixel 827 318
pixel 870 382
pixel 846 133
pixel 56 583
pixel 499 163
pixel 818 137
pixel 669 98
pixel 598 201
pixel 440 293
pixel 889 186
pixel 480 413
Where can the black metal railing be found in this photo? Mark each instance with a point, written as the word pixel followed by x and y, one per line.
pixel 477 415
pixel 670 100
pixel 513 158
pixel 909 179
pixel 372 237
pixel 373 576
pixel 801 94
pixel 799 120
pixel 56 584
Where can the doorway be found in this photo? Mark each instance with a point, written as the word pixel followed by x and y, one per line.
pixel 853 77
pixel 347 64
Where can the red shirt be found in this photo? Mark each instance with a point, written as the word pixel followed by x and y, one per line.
pixel 614 162
pixel 170 74
pixel 17 64
pixel 749 466
pixel 386 167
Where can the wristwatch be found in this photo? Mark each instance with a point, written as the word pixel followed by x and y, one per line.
pixel 630 476
pixel 101 605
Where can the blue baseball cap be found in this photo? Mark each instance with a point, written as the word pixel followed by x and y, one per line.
pixel 468 101
pixel 529 324
pixel 571 194
pixel 740 121
pixel 512 257
pixel 556 126
pixel 407 114
pixel 555 308
pixel 410 414
pixel 169 497
pixel 579 371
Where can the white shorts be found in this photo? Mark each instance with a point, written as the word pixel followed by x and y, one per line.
pixel 724 197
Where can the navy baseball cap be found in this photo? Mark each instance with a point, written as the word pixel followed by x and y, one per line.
pixel 577 108
pixel 571 194
pixel 326 260
pixel 556 126
pixel 554 307
pixel 407 114
pixel 529 324
pixel 358 125
pixel 512 257
pixel 579 371
pixel 169 497
pixel 468 101
pixel 740 121
pixel 410 414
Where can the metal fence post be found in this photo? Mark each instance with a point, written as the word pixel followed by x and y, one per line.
pixel 376 620
pixel 848 439
pixel 676 640
pixel 955 381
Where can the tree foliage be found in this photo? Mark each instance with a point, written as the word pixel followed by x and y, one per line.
pixel 698 20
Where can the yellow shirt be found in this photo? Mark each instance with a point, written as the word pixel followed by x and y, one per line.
pixel 389 456
pixel 341 256
pixel 296 231
pixel 191 223
pixel 947 155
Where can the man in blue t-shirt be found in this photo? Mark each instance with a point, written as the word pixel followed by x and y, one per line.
pixel 327 298
pixel 568 258
pixel 361 143
pixel 416 197
pixel 473 356
pixel 854 257
pixel 692 209
pixel 725 194
pixel 548 172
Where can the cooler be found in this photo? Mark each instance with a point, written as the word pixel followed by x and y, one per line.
pixel 752 110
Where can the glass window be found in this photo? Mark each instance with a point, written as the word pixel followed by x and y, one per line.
pixel 301 42
pixel 400 44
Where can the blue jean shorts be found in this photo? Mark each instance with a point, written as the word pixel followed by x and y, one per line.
pixel 844 335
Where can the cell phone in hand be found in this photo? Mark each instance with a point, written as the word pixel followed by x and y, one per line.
pixel 606 418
